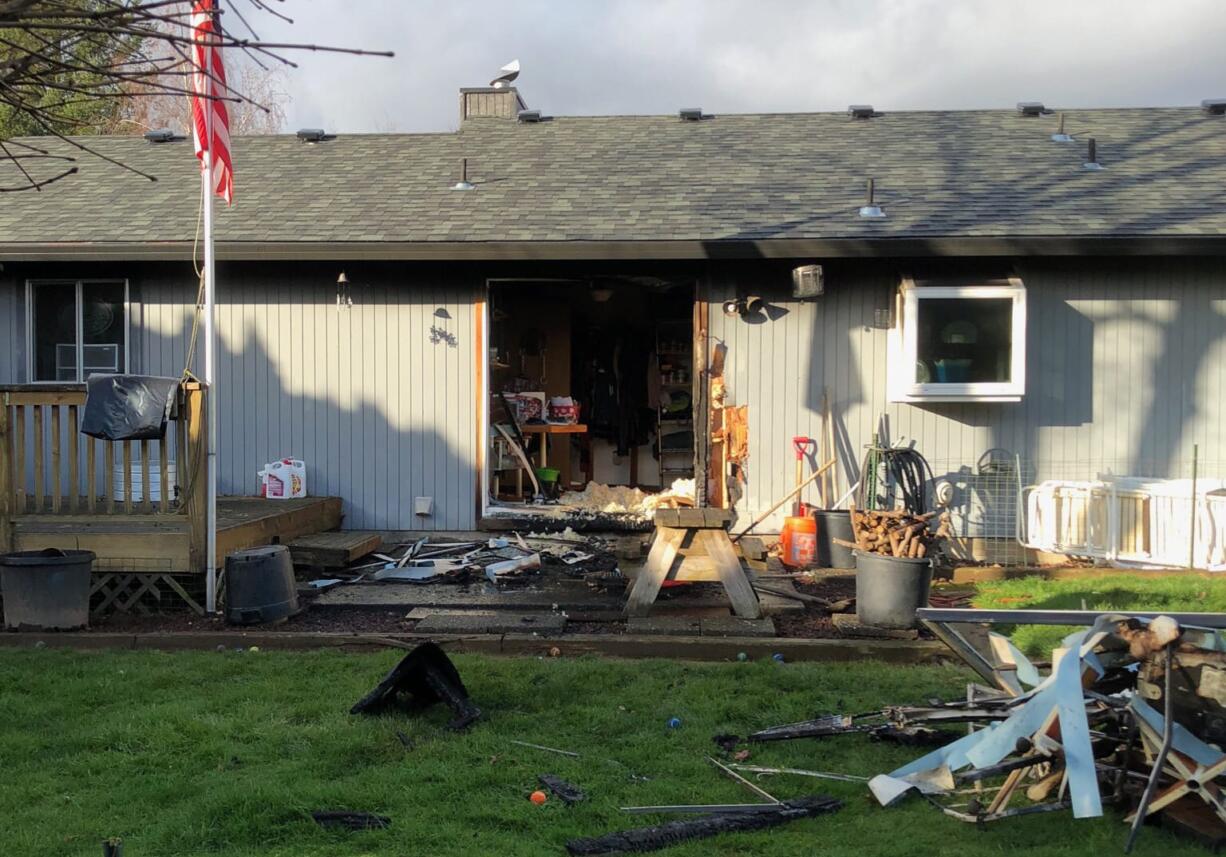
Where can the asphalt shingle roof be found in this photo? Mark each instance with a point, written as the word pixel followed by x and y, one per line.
pixel 644 178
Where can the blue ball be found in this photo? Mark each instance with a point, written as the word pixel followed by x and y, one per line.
pixel 741 656
pixel 777 657
pixel 674 722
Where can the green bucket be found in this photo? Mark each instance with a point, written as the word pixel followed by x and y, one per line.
pixel 548 475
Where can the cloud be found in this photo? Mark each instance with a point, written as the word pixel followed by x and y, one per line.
pixel 654 56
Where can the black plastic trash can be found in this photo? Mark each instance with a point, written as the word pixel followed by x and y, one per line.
pixel 890 589
pixel 834 524
pixel 46 589
pixel 260 586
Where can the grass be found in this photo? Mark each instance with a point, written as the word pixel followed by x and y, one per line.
pixel 227 753
pixel 1175 592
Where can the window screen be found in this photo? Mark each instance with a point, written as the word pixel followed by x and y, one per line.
pixel 64 350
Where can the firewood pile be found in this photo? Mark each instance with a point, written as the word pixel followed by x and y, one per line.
pixel 898 533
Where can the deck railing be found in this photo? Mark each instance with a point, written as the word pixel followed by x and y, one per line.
pixel 47 467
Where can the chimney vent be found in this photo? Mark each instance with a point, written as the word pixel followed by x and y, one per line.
pixel 312 135
pixel 532 116
pixel 1060 136
pixel 870 210
pixel 161 135
pixel 1031 108
pixel 861 111
pixel 1091 155
pixel 463 183
pixel 690 114
pixel 1214 106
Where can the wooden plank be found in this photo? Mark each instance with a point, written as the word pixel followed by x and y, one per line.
pixel 108 475
pixel 164 474
pixel 646 586
pixel 146 478
pixel 151 551
pixel 736 584
pixel 666 518
pixel 91 474
pixel 333 550
pixel 51 397
pixel 40 494
pixel 127 477
pixel 182 459
pixel 21 501
pixel 7 498
pixel 57 480
pixel 74 454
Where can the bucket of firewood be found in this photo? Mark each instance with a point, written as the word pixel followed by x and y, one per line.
pixel 893 552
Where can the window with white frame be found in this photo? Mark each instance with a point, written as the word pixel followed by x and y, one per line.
pixel 75 328
pixel 958 342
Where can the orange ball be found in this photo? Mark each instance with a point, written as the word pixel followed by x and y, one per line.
pixel 538 797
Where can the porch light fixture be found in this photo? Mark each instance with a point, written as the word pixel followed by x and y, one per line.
pixel 1060 136
pixel 870 210
pixel 463 183
pixel 344 297
pixel 1091 156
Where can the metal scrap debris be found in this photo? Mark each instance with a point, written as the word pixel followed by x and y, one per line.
pixel 569 793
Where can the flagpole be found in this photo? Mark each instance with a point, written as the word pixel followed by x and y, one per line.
pixel 210 347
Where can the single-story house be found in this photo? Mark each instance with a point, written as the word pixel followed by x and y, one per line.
pixel 1021 290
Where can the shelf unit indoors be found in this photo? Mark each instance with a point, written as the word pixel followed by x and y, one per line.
pixel 675 411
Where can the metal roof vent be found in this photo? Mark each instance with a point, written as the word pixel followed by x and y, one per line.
pixel 870 210
pixel 1060 136
pixel 690 114
pixel 160 135
pixel 1091 156
pixel 463 183
pixel 861 111
pixel 532 116
pixel 1214 106
pixel 312 135
pixel 1031 108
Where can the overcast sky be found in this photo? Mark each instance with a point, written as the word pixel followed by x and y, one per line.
pixel 654 56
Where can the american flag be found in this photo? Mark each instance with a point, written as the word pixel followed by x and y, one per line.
pixel 209 83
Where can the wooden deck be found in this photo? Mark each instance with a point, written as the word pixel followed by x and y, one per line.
pixel 162 543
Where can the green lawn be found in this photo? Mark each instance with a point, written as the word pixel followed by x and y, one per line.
pixel 226 753
pixel 1175 592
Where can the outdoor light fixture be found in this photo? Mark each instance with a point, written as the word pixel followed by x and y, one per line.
pixel 1060 136
pixel 463 183
pixel 743 306
pixel 344 298
pixel 870 210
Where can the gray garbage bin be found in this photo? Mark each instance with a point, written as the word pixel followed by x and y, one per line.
pixel 47 589
pixel 890 589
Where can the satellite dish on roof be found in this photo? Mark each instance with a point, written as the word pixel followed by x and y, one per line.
pixel 510 71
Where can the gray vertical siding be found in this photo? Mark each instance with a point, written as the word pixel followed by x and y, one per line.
pixel 12 331
pixel 1126 371
pixel 377 398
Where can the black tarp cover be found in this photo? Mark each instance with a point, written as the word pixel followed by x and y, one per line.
pixel 127 407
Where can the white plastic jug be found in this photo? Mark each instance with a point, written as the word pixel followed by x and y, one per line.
pixel 284 479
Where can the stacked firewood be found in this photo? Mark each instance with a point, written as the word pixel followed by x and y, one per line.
pixel 897 533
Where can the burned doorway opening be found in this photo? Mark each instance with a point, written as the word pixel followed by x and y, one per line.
pixel 590 397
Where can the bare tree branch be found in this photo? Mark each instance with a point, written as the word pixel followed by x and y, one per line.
pixel 62 62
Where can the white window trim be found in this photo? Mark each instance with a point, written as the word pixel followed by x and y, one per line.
pixel 80 284
pixel 902 346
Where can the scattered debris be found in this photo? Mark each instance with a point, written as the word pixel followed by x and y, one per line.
pixel 620 499
pixel 726 742
pixel 405 740
pixel 350 820
pixel 825 775
pixel 716 820
pixel 568 793
pixel 423 677
pixel 499 571
pixel 546 749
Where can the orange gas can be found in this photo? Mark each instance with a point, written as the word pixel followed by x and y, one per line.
pixel 798 541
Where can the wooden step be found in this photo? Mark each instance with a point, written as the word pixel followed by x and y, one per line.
pixel 333 550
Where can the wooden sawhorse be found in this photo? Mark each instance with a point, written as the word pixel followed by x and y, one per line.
pixel 684 539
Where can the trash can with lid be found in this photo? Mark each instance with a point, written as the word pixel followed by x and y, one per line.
pixel 46 589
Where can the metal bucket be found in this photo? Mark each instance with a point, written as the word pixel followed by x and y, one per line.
pixel 834 524
pixel 890 589
pixel 47 589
